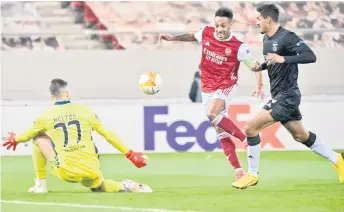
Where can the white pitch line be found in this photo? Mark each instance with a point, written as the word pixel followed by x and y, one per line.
pixel 71 205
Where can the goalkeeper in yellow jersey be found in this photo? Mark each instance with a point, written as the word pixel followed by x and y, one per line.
pixel 63 136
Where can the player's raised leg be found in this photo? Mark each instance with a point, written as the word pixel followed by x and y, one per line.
pixel 215 104
pixel 262 120
pixel 220 120
pixel 42 149
pixel 312 141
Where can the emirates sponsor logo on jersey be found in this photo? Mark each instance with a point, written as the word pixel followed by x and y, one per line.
pixel 213 57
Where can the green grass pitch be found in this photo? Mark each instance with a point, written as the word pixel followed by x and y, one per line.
pixel 289 181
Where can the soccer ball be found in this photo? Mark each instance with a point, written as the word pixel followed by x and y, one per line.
pixel 150 83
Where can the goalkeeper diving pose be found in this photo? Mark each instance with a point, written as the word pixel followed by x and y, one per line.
pixel 63 136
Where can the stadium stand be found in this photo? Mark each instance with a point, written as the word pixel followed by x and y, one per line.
pixel 20 16
pixel 142 22
pixel 185 16
pixel 34 19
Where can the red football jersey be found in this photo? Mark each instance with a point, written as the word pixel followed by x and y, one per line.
pixel 220 60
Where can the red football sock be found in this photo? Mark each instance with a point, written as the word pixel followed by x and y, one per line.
pixel 228 147
pixel 229 126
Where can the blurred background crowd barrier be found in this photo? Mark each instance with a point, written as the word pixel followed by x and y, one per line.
pixel 115 74
pixel 130 25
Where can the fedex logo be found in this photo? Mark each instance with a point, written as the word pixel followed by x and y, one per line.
pixel 196 133
pixel 192 132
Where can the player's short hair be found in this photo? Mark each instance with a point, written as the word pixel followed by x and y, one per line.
pixel 269 10
pixel 56 87
pixel 224 12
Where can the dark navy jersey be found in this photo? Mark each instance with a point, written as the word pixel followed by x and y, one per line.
pixel 283 77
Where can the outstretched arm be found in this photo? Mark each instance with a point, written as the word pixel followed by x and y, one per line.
pixel 30 133
pixel 137 158
pixel 109 136
pixel 187 37
pixel 12 140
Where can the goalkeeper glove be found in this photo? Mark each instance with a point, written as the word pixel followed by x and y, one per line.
pixel 137 158
pixel 10 141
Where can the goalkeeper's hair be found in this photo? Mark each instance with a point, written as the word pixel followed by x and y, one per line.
pixel 224 12
pixel 57 86
pixel 269 10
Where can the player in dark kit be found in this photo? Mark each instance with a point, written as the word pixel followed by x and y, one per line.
pixel 283 51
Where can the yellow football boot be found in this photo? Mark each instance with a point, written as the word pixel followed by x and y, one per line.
pixel 339 166
pixel 246 181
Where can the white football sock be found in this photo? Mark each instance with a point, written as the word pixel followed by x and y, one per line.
pixel 323 150
pixel 253 155
pixel 41 182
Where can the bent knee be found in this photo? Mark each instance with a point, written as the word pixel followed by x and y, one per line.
pixel 95 185
pixel 250 130
pixel 302 137
pixel 211 114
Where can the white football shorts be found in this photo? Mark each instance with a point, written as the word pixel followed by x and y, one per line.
pixel 226 94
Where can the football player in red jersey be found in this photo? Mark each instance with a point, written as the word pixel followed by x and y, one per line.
pixel 222 54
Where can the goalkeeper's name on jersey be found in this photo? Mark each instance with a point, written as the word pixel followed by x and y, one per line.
pixel 65 118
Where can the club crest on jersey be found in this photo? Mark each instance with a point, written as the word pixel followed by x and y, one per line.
pixel 300 43
pixel 274 46
pixel 228 51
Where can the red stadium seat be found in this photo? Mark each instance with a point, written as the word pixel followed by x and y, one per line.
pixel 77 4
pixel 90 17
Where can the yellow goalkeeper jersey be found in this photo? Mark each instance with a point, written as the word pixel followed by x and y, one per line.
pixel 70 128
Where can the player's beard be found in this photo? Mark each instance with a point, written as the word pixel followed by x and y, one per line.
pixel 224 35
pixel 261 30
